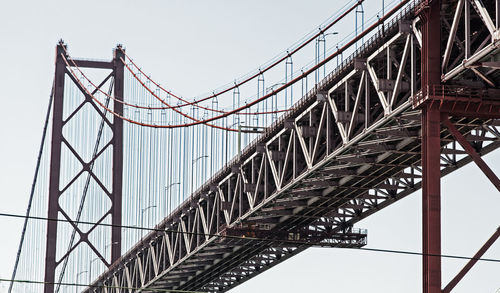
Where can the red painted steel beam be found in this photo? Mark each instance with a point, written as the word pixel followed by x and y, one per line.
pixel 116 218
pixel 431 38
pixel 472 262
pixel 431 199
pixel 431 145
pixel 55 170
pixel 471 152
pixel 94 64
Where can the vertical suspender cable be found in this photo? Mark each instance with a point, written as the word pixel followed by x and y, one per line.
pixel 30 201
pixel 85 190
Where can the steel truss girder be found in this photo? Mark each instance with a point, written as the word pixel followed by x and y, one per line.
pixel 346 139
pixel 472 39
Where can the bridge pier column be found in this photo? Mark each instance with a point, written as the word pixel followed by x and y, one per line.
pixel 431 145
pixel 431 199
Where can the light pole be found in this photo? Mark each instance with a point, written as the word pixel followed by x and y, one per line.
pixel 199 158
pixel 274 105
pixel 341 54
pixel 77 277
pixel 90 268
pixel 136 230
pixel 302 81
pixel 227 139
pixel 142 216
pixel 324 48
pixel 322 39
pixel 239 137
pixel 247 129
pixel 271 88
pixel 192 168
pixel 108 245
pixel 359 10
pixel 170 197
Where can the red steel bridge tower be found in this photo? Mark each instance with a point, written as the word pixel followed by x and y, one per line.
pixel 56 188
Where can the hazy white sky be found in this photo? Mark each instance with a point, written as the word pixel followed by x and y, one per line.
pixel 195 46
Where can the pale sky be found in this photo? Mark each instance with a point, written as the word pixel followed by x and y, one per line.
pixel 194 47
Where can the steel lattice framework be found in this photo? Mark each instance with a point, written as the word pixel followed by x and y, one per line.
pixel 416 101
pixel 352 146
pixel 58 189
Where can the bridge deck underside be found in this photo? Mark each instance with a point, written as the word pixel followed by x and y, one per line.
pixel 347 204
pixel 348 149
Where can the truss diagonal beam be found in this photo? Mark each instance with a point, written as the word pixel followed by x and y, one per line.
pixel 472 153
pixel 472 262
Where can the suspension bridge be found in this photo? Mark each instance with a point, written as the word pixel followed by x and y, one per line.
pixel 145 190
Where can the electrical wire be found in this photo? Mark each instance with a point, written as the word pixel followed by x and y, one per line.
pixel 427 254
pixel 100 286
pixel 271 240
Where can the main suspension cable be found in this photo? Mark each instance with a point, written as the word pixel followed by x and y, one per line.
pixel 197 122
pixel 66 56
pixel 272 93
pixel 214 95
pixel 106 108
pixel 187 103
pixel 169 107
pixel 261 71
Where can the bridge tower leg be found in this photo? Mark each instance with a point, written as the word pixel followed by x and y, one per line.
pixel 116 231
pixel 55 211
pixel 431 199
pixel 431 191
pixel 55 170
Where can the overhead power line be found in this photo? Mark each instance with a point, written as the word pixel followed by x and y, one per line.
pixel 99 286
pixel 271 240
